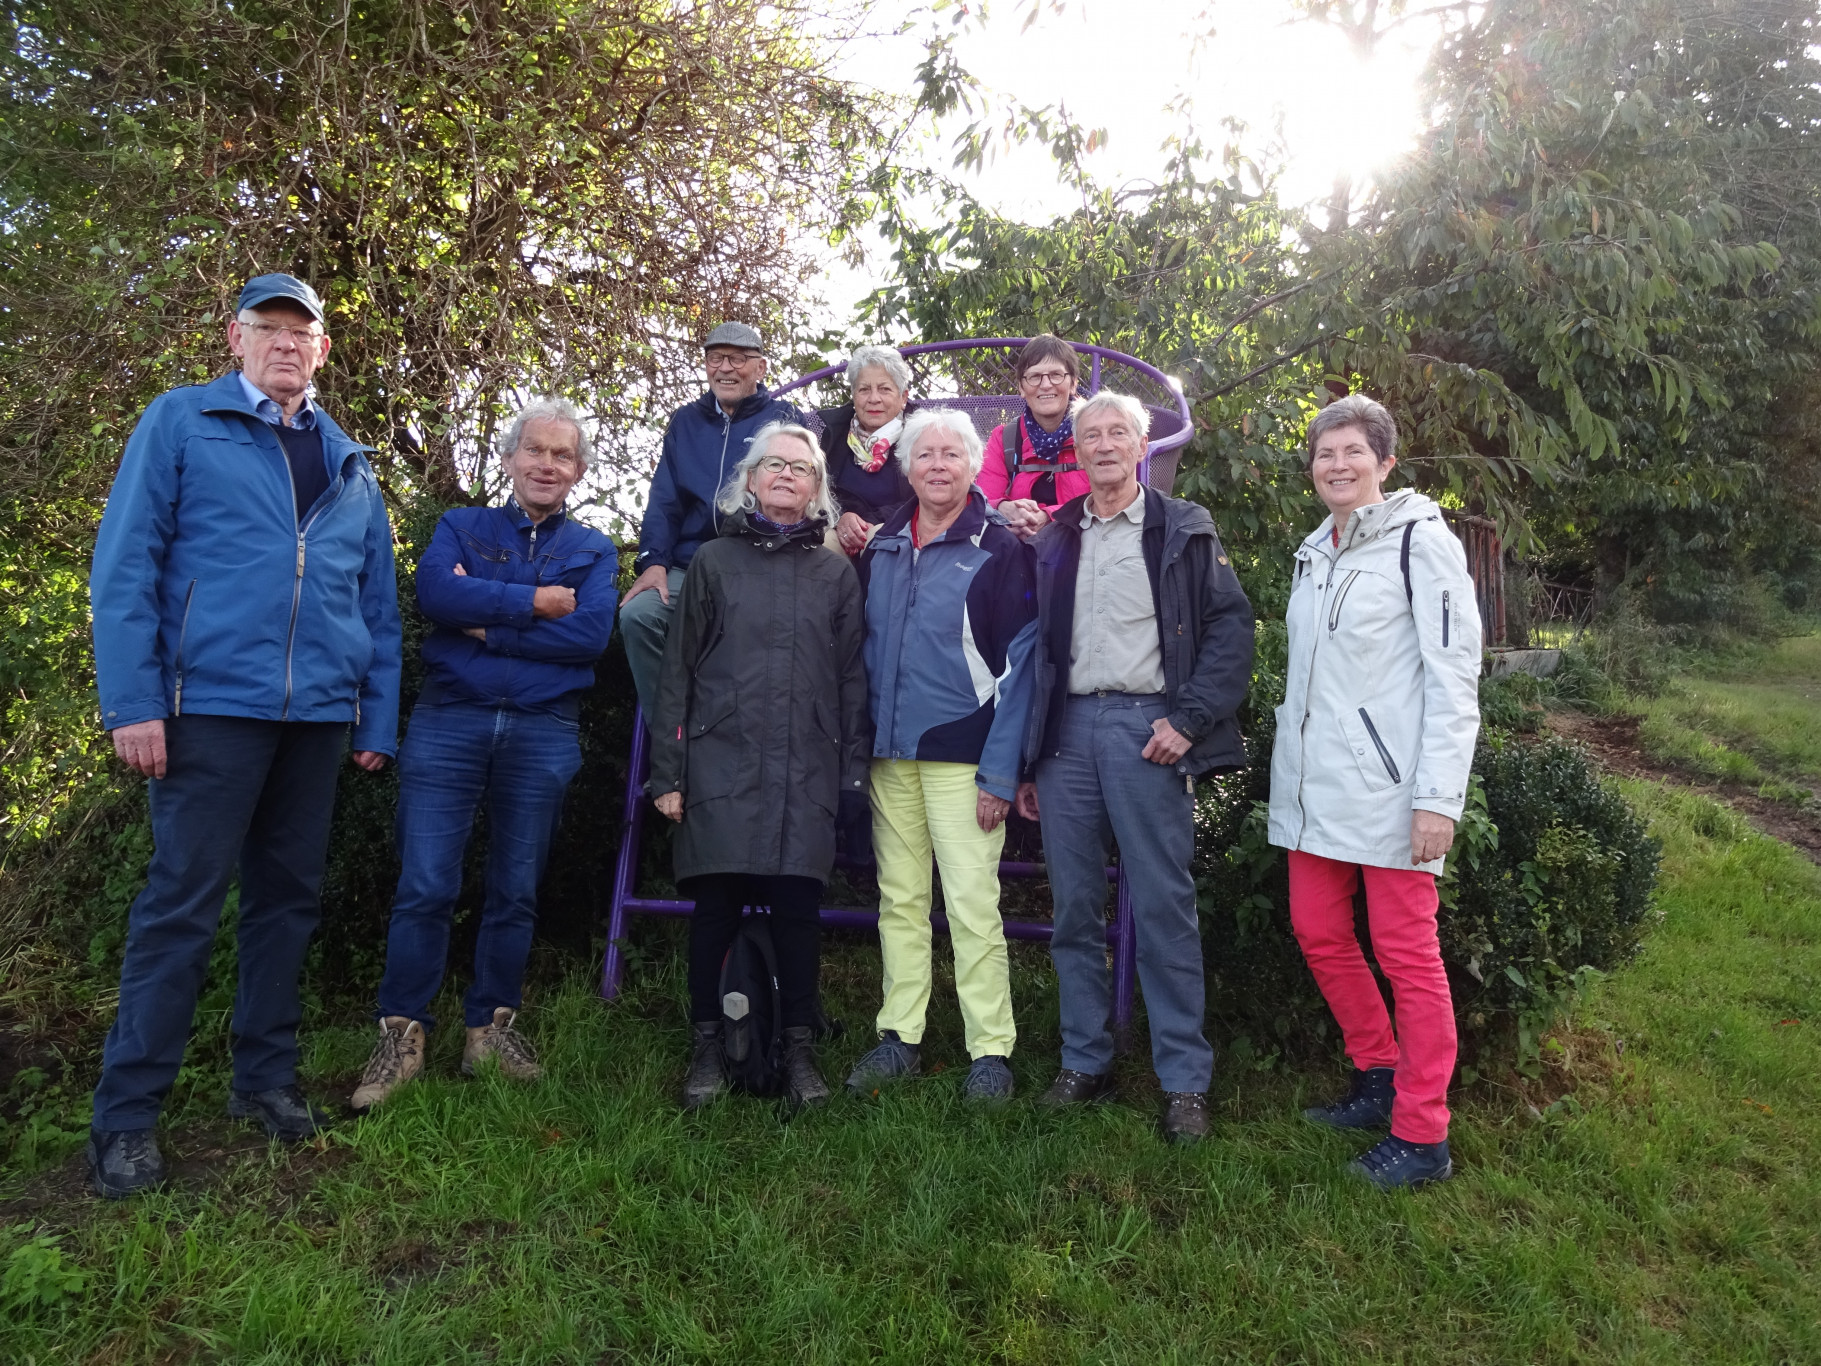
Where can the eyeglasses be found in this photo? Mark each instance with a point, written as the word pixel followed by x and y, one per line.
pixel 1047 379
pixel 777 464
pixel 269 332
pixel 729 360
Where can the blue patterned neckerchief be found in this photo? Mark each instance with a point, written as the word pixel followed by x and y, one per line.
pixel 771 528
pixel 1047 446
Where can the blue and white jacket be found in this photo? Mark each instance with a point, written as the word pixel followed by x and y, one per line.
pixel 949 631
pixel 213 592
pixel 532 663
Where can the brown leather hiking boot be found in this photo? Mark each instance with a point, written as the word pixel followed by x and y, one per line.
pixel 803 1082
pixel 397 1057
pixel 504 1044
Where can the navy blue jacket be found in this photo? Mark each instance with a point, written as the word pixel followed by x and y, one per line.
pixel 213 592
pixel 531 663
pixel 949 634
pixel 702 444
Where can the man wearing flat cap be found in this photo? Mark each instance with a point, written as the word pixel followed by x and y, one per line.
pixel 702 444
pixel 246 637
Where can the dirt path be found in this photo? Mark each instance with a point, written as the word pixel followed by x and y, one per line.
pixel 1614 742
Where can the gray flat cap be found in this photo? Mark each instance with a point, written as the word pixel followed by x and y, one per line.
pixel 736 334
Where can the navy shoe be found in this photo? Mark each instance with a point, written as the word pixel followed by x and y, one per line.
pixel 282 1112
pixel 989 1079
pixel 1398 1164
pixel 891 1059
pixel 1367 1104
pixel 124 1163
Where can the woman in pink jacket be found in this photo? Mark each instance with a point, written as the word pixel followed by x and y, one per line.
pixel 1038 474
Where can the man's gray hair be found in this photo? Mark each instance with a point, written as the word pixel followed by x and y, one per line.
pixel 548 410
pixel 735 496
pixel 888 360
pixel 1125 405
pixel 951 420
pixel 1355 410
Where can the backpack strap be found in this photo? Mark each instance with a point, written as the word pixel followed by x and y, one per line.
pixel 1403 561
pixel 1013 449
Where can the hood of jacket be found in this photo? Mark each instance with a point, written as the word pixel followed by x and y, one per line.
pixel 1373 522
pixel 807 536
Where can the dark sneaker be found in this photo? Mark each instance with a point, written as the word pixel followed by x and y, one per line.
pixel 988 1080
pixel 1398 1164
pixel 282 1112
pixel 1367 1104
pixel 890 1060
pixel 502 1043
pixel 803 1083
pixel 1186 1118
pixel 124 1163
pixel 707 1077
pixel 1076 1088
pixel 397 1057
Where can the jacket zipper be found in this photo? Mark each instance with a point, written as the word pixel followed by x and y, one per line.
pixel 1302 727
pixel 1444 620
pixel 1383 753
pixel 296 596
pixel 183 632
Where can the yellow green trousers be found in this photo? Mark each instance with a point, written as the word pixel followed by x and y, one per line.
pixel 920 808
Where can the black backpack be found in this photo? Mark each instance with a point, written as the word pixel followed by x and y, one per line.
pixel 752 1010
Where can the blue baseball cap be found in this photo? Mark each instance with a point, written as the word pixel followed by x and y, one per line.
pixel 263 289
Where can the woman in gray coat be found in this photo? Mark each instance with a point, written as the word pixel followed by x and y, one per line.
pixel 762 738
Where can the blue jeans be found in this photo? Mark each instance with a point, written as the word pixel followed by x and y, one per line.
pixel 454 754
pixel 256 795
pixel 1095 790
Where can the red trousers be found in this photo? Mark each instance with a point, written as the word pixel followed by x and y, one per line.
pixel 1400 909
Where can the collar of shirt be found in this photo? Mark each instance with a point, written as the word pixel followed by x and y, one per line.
pixel 1132 512
pixel 268 408
pixel 522 519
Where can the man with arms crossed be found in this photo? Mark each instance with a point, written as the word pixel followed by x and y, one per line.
pixel 245 618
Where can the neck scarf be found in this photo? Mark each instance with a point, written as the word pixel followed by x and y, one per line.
pixel 1047 446
pixel 870 452
pixel 771 528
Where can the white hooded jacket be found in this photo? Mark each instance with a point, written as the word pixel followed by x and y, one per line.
pixel 1381 699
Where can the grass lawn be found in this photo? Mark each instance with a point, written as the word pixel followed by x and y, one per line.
pixel 1655 1198
pixel 1755 724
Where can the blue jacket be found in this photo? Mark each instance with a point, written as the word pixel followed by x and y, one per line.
pixel 210 593
pixel 701 447
pixel 949 631
pixel 530 663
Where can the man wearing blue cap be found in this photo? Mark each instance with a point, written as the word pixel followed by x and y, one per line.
pixel 245 618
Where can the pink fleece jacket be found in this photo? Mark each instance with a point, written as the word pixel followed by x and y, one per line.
pixel 992 481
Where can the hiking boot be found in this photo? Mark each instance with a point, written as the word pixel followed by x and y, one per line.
pixel 1076 1088
pixel 989 1080
pixel 891 1059
pixel 803 1083
pixel 707 1079
pixel 1186 1118
pixel 1398 1164
pixel 283 1112
pixel 397 1057
pixel 504 1044
pixel 124 1163
pixel 1367 1104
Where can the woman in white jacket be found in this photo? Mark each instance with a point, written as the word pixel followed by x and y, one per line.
pixel 1374 742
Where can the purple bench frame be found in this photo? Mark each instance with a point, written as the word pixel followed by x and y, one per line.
pixel 1170 412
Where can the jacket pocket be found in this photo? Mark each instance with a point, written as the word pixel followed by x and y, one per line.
pixel 568 569
pixel 1377 767
pixel 714 762
pixel 183 631
pixel 1340 598
pixel 1445 614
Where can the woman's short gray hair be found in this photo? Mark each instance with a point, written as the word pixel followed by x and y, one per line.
pixel 888 360
pixel 735 496
pixel 1125 405
pixel 1355 410
pixel 951 420
pixel 548 410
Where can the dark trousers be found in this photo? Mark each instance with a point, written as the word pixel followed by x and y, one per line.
pixel 256 795
pixel 796 936
pixel 455 755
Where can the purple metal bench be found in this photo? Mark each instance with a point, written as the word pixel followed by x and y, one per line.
pixel 974 376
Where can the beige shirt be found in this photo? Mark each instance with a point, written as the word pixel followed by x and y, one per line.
pixel 1114 647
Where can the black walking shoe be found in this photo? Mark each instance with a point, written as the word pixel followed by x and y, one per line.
pixel 124 1163
pixel 890 1059
pixel 1076 1088
pixel 803 1083
pixel 1367 1104
pixel 283 1112
pixel 707 1079
pixel 1186 1118
pixel 1398 1164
